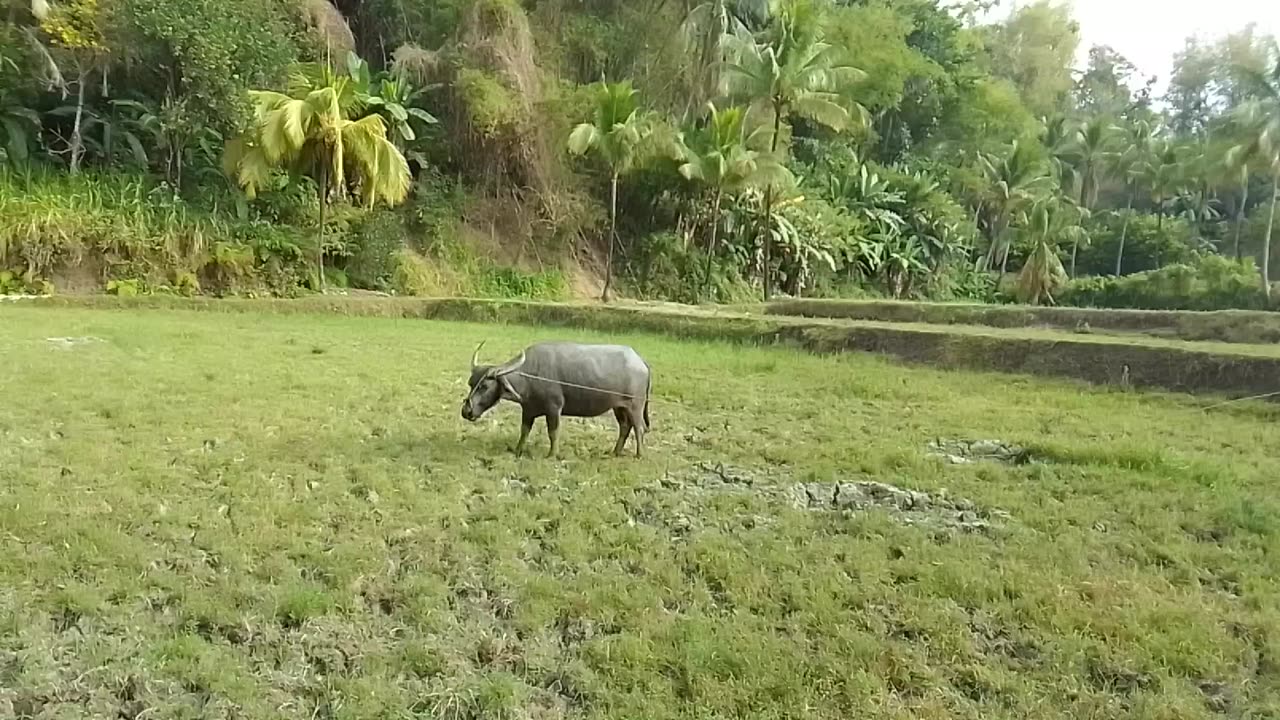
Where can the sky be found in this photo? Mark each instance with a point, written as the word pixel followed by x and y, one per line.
pixel 1149 32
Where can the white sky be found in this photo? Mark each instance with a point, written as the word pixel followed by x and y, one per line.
pixel 1149 32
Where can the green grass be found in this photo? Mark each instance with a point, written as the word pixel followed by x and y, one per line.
pixel 262 516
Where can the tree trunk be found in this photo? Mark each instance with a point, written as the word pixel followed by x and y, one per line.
pixel 324 205
pixel 613 236
pixel 1075 249
pixel 711 247
pixel 1124 234
pixel 767 219
pixel 77 129
pixel 1266 239
pixel 1244 201
pixel 1159 230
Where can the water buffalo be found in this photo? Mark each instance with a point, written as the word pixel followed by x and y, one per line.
pixel 553 380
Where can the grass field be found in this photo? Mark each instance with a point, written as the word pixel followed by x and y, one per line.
pixel 252 516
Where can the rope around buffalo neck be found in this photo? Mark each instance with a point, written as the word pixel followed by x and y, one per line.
pixel 574 385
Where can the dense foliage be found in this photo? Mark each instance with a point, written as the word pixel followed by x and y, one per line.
pixel 696 151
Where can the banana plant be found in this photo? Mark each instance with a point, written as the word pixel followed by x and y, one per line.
pixel 391 96
pixel 19 128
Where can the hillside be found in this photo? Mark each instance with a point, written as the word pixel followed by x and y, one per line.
pixel 674 151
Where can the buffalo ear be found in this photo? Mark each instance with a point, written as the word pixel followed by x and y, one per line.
pixel 508 391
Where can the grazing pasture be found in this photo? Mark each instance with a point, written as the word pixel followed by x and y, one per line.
pixel 266 516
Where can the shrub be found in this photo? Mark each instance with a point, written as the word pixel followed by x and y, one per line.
pixel 374 242
pixel 1211 282
pixel 1146 242
pixel 506 282
pixel 412 274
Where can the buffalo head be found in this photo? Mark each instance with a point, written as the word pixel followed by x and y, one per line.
pixel 489 384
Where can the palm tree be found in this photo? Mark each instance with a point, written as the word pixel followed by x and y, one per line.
pixel 1161 173
pixel 1261 118
pixel 616 134
pixel 789 70
pixel 1128 163
pixel 1050 222
pixel 310 131
pixel 725 157
pixel 1059 138
pixel 1243 171
pixel 1091 150
pixel 1014 181
pixel 703 34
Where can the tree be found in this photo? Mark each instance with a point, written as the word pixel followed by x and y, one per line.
pixel 1014 181
pixel 725 157
pixel 1162 176
pixel 789 70
pixel 77 38
pixel 1128 164
pixel 1105 88
pixel 1260 117
pixel 1050 222
pixel 1035 49
pixel 703 36
pixel 310 131
pixel 615 135
pixel 1190 95
pixel 1091 152
pixel 1059 138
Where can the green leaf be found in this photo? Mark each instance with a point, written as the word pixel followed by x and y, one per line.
pixel 583 138
pixel 139 154
pixel 17 142
pixel 423 115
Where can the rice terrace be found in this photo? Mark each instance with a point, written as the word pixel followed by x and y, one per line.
pixel 255 514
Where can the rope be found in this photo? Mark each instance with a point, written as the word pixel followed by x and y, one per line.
pixel 573 385
pixel 1263 396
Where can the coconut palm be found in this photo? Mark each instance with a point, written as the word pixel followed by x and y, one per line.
pixel 1261 119
pixel 1058 138
pixel 788 69
pixel 1091 149
pixel 1014 180
pixel 1161 174
pixel 616 133
pixel 310 131
pixel 1049 223
pixel 1128 163
pixel 725 157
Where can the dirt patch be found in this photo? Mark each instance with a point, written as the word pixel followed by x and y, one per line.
pixel 68 343
pixel 910 507
pixel 965 452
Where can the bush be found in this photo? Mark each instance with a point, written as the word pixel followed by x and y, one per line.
pixel 662 267
pixel 505 282
pixel 1211 282
pixel 374 241
pixel 1146 244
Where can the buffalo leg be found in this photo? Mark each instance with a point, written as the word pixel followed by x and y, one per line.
pixel 553 431
pixel 526 425
pixel 624 429
pixel 640 430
